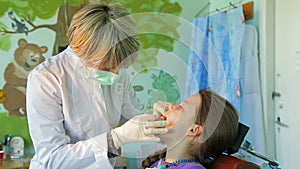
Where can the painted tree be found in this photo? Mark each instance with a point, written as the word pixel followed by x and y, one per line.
pixel 23 13
pixel 154 16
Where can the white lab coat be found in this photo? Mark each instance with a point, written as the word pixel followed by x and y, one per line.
pixel 68 116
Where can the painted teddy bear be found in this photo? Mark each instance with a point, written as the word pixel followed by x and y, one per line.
pixel 26 57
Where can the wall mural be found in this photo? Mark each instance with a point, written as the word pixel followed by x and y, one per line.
pixel 23 16
pixel 164 87
pixel 2 96
pixel 21 50
pixel 26 57
pixel 155 41
pixel 23 21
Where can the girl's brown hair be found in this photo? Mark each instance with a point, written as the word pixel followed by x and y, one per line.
pixel 220 121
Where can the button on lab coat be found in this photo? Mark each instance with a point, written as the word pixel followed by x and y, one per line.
pixel 68 113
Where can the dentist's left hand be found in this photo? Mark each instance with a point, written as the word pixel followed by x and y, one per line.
pixel 140 128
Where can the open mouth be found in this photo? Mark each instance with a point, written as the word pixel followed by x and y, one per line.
pixel 171 123
pixel 27 65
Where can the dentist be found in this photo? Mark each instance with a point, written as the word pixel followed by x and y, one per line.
pixel 76 99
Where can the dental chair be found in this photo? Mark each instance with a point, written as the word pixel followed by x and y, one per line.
pixel 227 161
pixel 231 162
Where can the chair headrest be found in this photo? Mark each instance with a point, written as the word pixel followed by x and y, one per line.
pixel 242 131
pixel 230 162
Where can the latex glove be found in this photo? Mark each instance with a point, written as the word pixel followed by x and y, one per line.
pixel 139 129
pixel 160 107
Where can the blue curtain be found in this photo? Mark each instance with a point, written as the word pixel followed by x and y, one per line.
pixel 214 59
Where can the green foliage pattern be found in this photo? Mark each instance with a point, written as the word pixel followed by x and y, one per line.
pixel 167 84
pixel 4 40
pixel 163 29
pixel 16 126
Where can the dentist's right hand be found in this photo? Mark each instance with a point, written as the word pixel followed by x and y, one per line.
pixel 140 128
pixel 160 107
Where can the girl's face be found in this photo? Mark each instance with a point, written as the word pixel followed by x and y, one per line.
pixel 182 118
pixel 186 111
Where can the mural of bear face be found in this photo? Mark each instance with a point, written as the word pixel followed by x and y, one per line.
pixel 29 55
pixel 26 57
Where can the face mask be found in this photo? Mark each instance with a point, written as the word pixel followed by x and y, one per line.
pixel 104 77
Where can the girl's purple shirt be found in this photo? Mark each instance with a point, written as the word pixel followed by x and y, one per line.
pixel 188 165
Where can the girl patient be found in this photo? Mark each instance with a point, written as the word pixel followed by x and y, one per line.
pixel 202 127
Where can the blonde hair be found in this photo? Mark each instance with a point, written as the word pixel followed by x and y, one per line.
pixel 103 35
